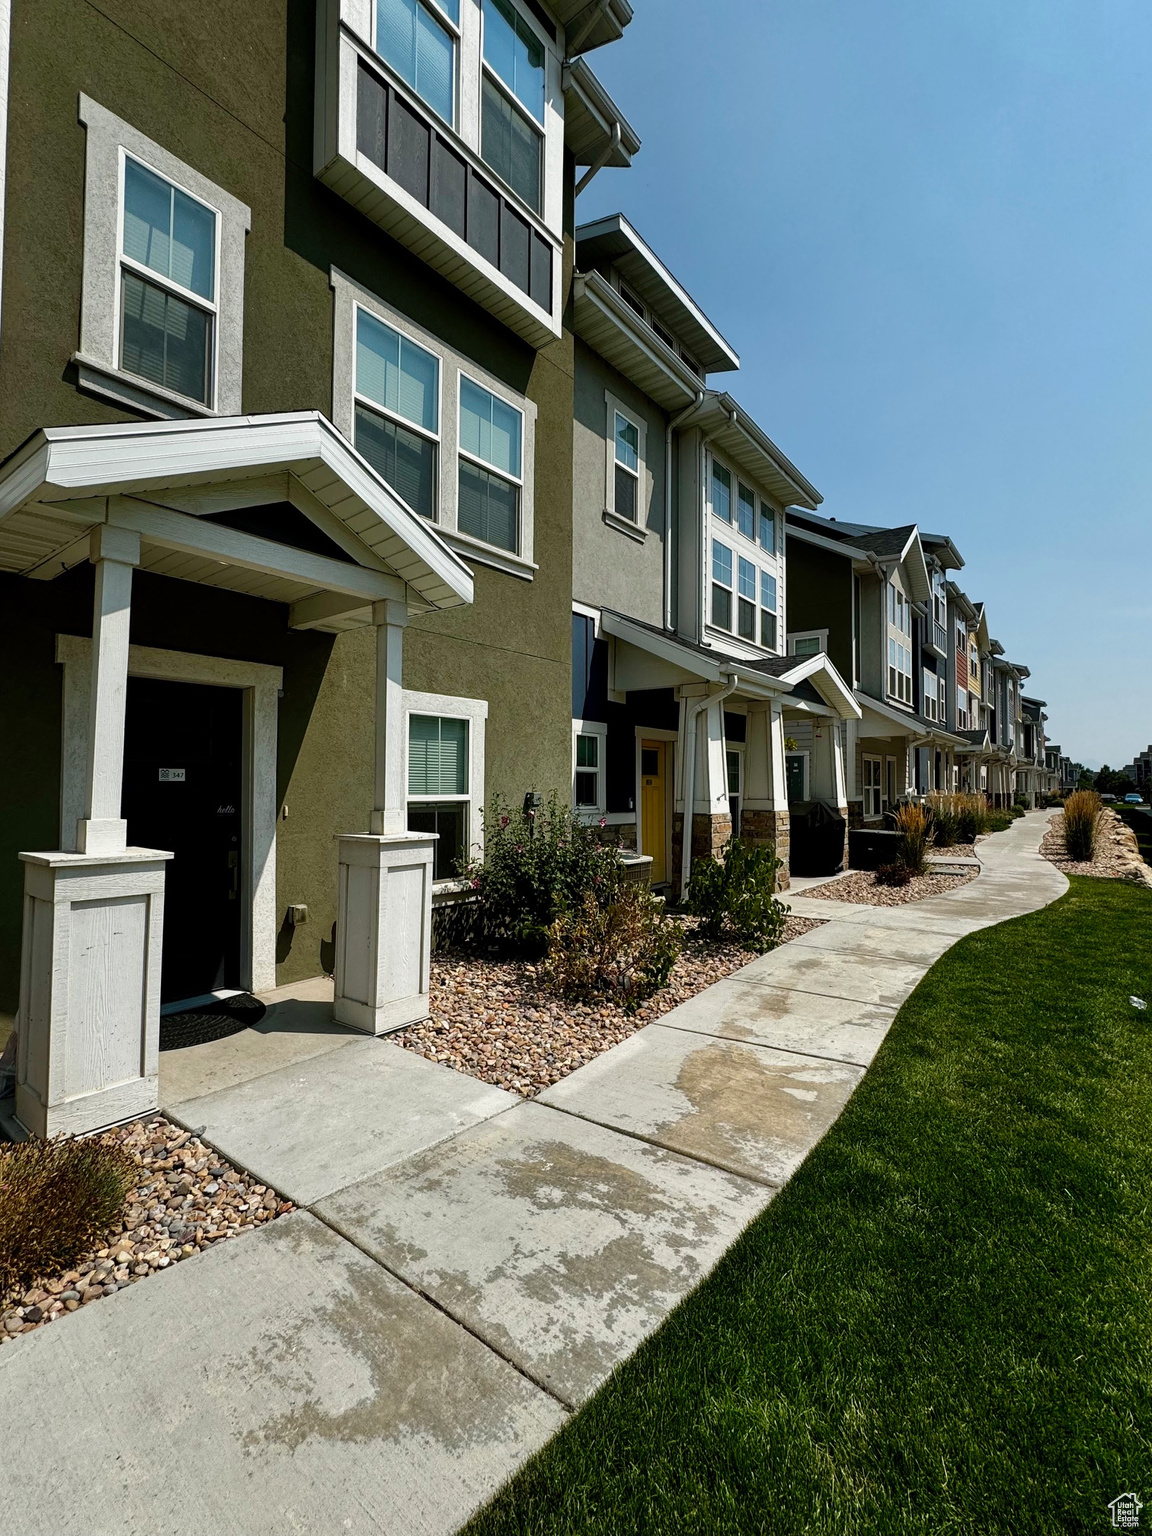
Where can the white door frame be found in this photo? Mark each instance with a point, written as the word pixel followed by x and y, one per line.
pixel 260 685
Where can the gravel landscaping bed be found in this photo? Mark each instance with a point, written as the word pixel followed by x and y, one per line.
pixel 186 1199
pixel 862 886
pixel 1117 854
pixel 495 1019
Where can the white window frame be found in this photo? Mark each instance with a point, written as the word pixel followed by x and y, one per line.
pixel 473 376
pixel 637 530
pixel 366 401
pixel 737 750
pixel 819 635
pixel 729 586
pixel 109 140
pixel 351 295
pixel 743 548
pixel 454 31
pixel 873 794
pixel 898 646
pixel 931 695
pixel 598 729
pixel 538 124
pixel 475 712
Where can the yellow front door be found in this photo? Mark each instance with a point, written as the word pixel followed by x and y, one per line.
pixel 653 806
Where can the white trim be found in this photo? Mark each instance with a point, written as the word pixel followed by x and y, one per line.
pixel 598 729
pixel 260 685
pixel 350 296
pixel 868 789
pixel 108 140
pixel 451 707
pixel 637 528
pixel 819 635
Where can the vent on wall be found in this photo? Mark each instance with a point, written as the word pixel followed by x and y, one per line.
pixel 407 146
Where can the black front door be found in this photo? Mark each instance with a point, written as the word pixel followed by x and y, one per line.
pixel 182 788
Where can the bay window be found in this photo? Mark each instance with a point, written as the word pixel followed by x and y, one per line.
pixel 512 101
pixel 490 467
pixel 397 411
pixel 746 601
pixel 168 275
pixel 721 585
pixel 417 41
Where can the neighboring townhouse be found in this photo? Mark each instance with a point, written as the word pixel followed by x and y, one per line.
pixel 1140 770
pixel 685 700
pixel 875 600
pixel 1032 770
pixel 286 507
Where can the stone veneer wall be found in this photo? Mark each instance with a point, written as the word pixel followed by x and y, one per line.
pixel 709 834
pixel 773 828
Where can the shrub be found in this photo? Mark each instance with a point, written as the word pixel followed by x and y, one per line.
pixel 959 818
pixel 914 824
pixel 894 874
pixel 1020 800
pixel 1082 812
pixel 57 1198
pixel 735 897
pixel 536 865
pixel 624 949
pixel 1000 821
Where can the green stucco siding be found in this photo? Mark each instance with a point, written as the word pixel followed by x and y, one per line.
pixel 820 597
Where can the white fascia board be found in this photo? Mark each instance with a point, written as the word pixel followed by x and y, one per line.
pixel 592 288
pixel 911 724
pixel 66 462
pixel 689 660
pixel 827 680
pixel 579 80
pixel 722 405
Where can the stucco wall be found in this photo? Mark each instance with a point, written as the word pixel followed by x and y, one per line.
pixel 228 89
pixel 819 596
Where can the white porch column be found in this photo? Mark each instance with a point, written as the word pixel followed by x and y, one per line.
pixel 384 896
pixel 89 1021
pixel 114 552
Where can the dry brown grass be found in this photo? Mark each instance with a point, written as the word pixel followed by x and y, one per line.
pixel 1081 824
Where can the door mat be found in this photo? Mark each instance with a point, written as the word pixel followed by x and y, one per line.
pixel 214 1021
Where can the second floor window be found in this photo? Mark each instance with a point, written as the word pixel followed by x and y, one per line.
pixel 512 105
pixel 768 601
pixel 899 671
pixel 421 48
pixel 931 709
pixel 746 602
pixel 746 512
pixel 721 493
pixel 767 529
pixel 627 467
pixel 167 285
pixel 721 585
pixel 490 467
pixel 397 418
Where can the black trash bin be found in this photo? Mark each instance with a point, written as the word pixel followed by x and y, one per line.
pixel 871 847
pixel 817 841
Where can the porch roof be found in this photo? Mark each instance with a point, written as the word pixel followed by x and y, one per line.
pixel 675 661
pixel 331 537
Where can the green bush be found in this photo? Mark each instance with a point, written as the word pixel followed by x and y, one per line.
pixel 1000 821
pixel 537 865
pixel 1082 812
pixel 735 896
pixel 1021 801
pixel 57 1199
pixel 624 949
pixel 914 824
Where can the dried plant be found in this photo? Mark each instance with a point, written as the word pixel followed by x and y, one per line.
pixel 959 818
pixel 914 824
pixel 623 949
pixel 1082 812
pixel 57 1198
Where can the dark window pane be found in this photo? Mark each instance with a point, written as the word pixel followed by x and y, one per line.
pixel 649 763
pixel 514 245
pixel 540 289
pixel 583 634
pixel 510 145
pixel 371 117
pixel 747 620
pixel 586 789
pixel 448 822
pixel 721 607
pixel 408 140
pixel 402 458
pixel 767 629
pixel 164 339
pixel 449 185
pixel 487 508
pixel 483 219
pixel 625 493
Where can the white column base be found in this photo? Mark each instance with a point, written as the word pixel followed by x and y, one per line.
pixel 89 1021
pixel 383 930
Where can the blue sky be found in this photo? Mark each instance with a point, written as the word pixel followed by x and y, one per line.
pixel 927 230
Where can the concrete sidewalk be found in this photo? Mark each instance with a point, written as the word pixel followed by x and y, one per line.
pixel 470 1266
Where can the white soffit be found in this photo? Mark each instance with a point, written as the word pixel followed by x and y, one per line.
pixel 738 438
pixel 590 118
pixel 618 335
pixel 590 24
pixel 164 476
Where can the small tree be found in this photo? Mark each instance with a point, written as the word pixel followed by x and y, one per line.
pixel 735 896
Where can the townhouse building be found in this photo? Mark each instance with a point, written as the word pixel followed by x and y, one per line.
pixel 687 705
pixel 286 428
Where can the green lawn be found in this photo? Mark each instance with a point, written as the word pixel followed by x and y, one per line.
pixel 944 1323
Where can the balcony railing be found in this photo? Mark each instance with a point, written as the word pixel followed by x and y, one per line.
pixel 939 637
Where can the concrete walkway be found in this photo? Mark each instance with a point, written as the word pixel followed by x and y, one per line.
pixel 468 1267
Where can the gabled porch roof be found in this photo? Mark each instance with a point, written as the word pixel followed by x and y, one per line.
pixel 665 660
pixel 280 507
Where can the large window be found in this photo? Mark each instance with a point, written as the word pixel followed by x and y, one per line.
pixel 421 48
pixel 721 493
pixel 626 467
pixel 768 609
pixel 767 528
pixel 438 780
pixel 899 645
pixel 873 791
pixel 931 706
pixel 746 601
pixel 512 106
pixel 721 585
pixel 397 417
pixel 490 467
pixel 168 271
pixel 745 511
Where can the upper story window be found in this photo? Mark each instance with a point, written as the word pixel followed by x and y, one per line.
pixel 721 493
pixel 415 39
pixel 746 602
pixel 161 324
pixel 745 511
pixel 768 609
pixel 451 440
pixel 931 702
pixel 397 419
pixel 167 285
pixel 721 585
pixel 512 108
pixel 626 475
pixel 490 479
pixel 767 529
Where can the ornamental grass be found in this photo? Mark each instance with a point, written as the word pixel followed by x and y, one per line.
pixel 1082 812
pixel 57 1198
pixel 914 824
pixel 959 818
